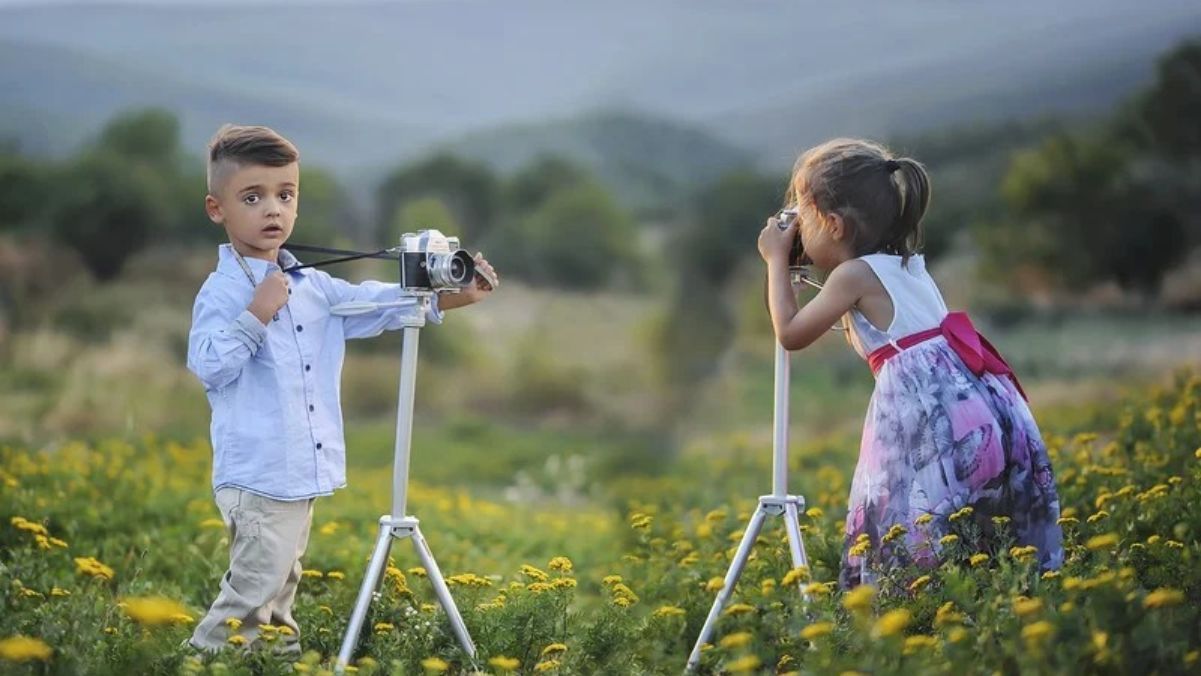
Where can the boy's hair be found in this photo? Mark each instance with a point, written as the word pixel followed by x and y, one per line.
pixel 882 198
pixel 234 146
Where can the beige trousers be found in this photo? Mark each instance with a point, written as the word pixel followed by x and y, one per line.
pixel 266 540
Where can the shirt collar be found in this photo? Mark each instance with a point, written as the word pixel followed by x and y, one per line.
pixel 227 263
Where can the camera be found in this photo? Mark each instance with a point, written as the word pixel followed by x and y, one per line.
pixel 796 255
pixel 431 261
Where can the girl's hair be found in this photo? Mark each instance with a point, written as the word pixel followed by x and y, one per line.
pixel 882 198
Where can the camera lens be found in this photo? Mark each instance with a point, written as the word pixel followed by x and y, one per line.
pixel 450 270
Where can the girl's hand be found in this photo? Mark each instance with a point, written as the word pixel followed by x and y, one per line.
pixel 774 243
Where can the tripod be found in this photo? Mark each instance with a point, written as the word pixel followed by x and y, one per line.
pixel 779 503
pixel 396 524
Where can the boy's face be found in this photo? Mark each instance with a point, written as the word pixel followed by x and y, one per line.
pixel 257 204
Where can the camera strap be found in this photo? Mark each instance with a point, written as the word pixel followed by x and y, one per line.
pixel 344 255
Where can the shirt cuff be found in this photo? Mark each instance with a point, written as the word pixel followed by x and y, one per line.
pixel 249 330
pixel 434 313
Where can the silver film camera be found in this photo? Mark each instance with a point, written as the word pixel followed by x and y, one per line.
pixel 796 254
pixel 431 261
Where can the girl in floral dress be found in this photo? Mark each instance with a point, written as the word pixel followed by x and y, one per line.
pixel 947 427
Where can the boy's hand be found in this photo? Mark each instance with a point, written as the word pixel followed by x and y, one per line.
pixel 270 295
pixel 486 280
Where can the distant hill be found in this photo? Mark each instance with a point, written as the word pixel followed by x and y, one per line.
pixel 362 86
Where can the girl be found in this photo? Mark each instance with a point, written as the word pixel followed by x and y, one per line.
pixel 947 426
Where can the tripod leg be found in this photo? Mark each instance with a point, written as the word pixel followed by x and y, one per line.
pixel 732 575
pixel 796 544
pixel 443 592
pixel 379 560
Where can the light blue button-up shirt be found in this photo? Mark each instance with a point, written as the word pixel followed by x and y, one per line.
pixel 275 389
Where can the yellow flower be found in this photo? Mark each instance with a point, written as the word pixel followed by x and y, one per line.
pixel 383 627
pixel 947 540
pixel 978 559
pixel 641 521
pixel 286 630
pixel 417 571
pixel 434 665
pixel 714 584
pixel 961 514
pixel 564 583
pixel 956 635
pixel 614 579
pixel 736 640
pixel 29 526
pixel 739 609
pixel 1106 541
pixel 1163 597
pixel 312 573
pixel 237 639
pixel 560 563
pixel 1023 606
pixel 816 589
pixel 920 583
pixel 335 575
pixel 233 623
pixel 743 664
pixel 556 648
pixel 212 523
pixel 895 532
pixel 1067 521
pixel 505 663
pixel 860 548
pixel 924 519
pixel 1038 631
pixel 1023 553
pixel 24 649
pixel 538 587
pixel 534 573
pixel 946 615
pixel 891 623
pixel 154 610
pixel 859 598
pixel 547 665
pixel 814 513
pixel 56 591
pixel 794 576
pixel 1050 574
pixel 917 643
pixel 1000 520
pixel 817 630
pixel 1098 516
pixel 90 566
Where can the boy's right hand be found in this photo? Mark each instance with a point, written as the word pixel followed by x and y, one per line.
pixel 270 295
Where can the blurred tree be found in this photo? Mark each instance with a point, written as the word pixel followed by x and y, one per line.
pixel 106 209
pixel 1167 116
pixel 534 183
pixel 467 188
pixel 324 208
pixel 425 213
pixel 24 191
pixel 149 135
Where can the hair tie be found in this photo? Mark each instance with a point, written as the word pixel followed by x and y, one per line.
pixel 892 165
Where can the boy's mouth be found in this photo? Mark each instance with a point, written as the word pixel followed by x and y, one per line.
pixel 273 230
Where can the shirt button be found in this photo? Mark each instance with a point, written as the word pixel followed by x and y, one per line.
pixel 311 408
pixel 299 327
pixel 318 445
pixel 308 367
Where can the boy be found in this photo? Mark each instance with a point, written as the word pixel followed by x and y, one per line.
pixel 269 353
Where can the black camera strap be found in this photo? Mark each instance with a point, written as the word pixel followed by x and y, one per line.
pixel 344 255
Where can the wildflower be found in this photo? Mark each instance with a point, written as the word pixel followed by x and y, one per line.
pixel 668 611
pixel 24 649
pixel 212 523
pixel 924 519
pixel 817 630
pixel 56 591
pixel 623 601
pixel 1023 554
pixel 554 649
pixel 1023 606
pixel 286 631
pixel 614 579
pixel 1173 544
pixel 946 615
pixel 434 665
pixel 417 571
pixel 383 627
pixel 961 514
pixel 894 532
pixel 564 583
pixel 860 548
pixel 714 584
pixel 641 521
pixel 1098 516
pixel 560 563
pixel 743 664
pixel 956 635
pixel 534 573
pixel 233 623
pixel 948 540
pixel 312 573
pixel 978 559
pixel 1163 597
pixel 690 558
pixel 859 598
pixel 29 526
pixel 90 566
pixel 547 665
pixel 329 528
pixel 1038 631
pixel 739 639
pixel 767 586
pixel 917 643
pixel 794 576
pixel 154 610
pixel 920 583
pixel 237 639
pixel 1050 575
pixel 58 543
pixel 814 513
pixel 816 589
pixel 1000 520
pixel 892 622
pixel 538 587
pixel 620 589
pixel 503 663
pixel 1067 521
pixel 739 609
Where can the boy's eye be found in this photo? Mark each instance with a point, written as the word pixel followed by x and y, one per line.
pixel 286 196
pixel 251 199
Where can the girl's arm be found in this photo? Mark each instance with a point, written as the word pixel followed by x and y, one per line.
pixel 797 327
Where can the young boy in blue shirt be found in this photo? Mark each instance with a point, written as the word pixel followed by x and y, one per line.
pixel 269 353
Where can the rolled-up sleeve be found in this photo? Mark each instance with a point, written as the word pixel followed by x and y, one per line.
pixel 223 338
pixel 370 324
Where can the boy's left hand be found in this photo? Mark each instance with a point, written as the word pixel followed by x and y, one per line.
pixel 486 280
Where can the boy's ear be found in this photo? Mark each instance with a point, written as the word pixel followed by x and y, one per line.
pixel 213 208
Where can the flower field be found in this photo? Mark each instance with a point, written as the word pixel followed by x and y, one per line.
pixel 110 552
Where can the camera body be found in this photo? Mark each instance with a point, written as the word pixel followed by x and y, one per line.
pixel 796 254
pixel 431 261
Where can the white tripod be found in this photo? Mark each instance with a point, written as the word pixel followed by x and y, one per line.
pixel 397 524
pixel 779 503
